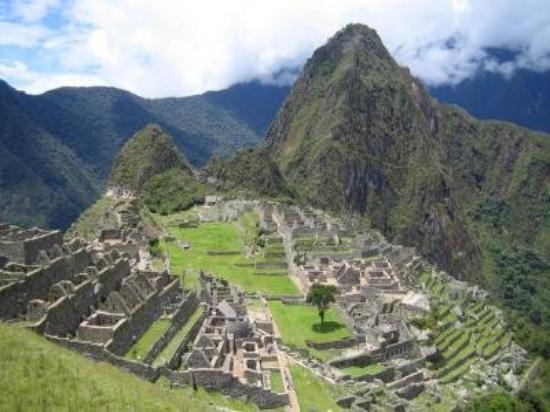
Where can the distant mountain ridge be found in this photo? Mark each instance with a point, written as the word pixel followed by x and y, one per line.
pixel 524 98
pixel 58 147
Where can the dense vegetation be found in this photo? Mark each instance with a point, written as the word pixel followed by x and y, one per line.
pixel 42 182
pixel 249 173
pixel 148 153
pixel 172 191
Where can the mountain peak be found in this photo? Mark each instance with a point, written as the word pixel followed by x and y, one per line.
pixel 148 153
pixel 354 43
pixel 359 36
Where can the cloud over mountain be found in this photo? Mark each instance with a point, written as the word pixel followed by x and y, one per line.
pixel 179 48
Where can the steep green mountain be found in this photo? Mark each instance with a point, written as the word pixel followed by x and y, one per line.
pixel 249 173
pixel 359 134
pixel 150 163
pixel 148 153
pixel 42 182
pixel 58 148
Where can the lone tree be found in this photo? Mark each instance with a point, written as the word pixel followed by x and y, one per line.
pixel 321 296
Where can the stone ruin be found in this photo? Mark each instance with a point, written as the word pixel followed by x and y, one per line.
pixel 72 290
pixel 230 341
pixel 23 245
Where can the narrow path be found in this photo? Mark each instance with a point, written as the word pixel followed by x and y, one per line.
pixel 287 243
pixel 283 362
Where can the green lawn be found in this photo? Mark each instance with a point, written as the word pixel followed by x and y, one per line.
pixel 277 382
pixel 219 237
pixel 166 354
pixel 38 375
pixel 140 348
pixel 355 371
pixel 298 323
pixel 313 393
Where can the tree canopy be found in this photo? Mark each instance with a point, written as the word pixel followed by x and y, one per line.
pixel 322 296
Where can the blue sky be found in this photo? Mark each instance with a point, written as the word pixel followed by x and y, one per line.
pixel 181 47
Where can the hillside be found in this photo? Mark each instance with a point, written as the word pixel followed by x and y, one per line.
pixel 148 153
pixel 359 134
pixel 42 181
pixel 58 147
pixel 38 375
pixel 249 173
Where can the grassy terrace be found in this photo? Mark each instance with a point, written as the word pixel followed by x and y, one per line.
pixel 37 375
pixel 210 239
pixel 480 334
pixel 298 323
pixel 277 382
pixel 313 393
pixel 356 371
pixel 166 354
pixel 140 348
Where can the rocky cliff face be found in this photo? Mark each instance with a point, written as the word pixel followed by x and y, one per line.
pixel 359 134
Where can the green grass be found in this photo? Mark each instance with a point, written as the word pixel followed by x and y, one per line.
pixel 37 375
pixel 277 382
pixel 166 354
pixel 355 371
pixel 313 393
pixel 298 323
pixel 222 236
pixel 140 348
pixel 87 224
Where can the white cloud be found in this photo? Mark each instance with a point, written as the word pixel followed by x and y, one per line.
pixel 14 34
pixel 184 47
pixel 16 72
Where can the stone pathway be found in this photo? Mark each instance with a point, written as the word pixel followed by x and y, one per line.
pixel 287 242
pixel 283 362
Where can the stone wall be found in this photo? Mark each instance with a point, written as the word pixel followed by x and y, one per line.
pixel 65 314
pixel 415 377
pixel 13 251
pixel 111 277
pixel 43 242
pixel 363 359
pixel 128 332
pixel 387 375
pixel 36 284
pixel 100 354
pixel 228 385
pixel 343 343
pixel 399 349
pixel 180 318
pixel 175 361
